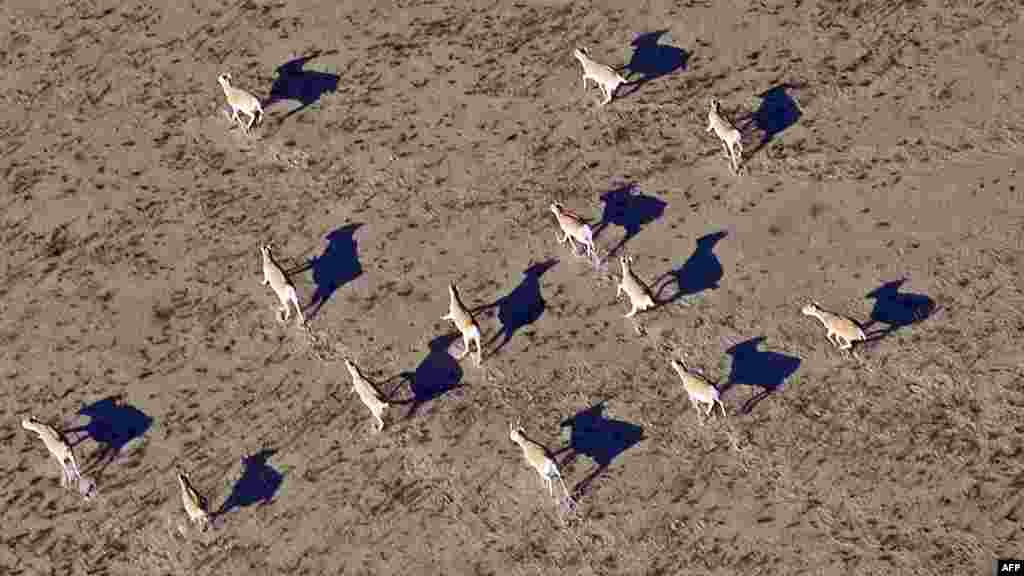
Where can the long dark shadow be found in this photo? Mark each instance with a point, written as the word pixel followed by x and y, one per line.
pixel 599 438
pixel 258 484
pixel 438 374
pixel 112 424
pixel 304 86
pixel 760 369
pixel 521 307
pixel 777 112
pixel 897 309
pixel 701 271
pixel 337 266
pixel 629 209
pixel 651 60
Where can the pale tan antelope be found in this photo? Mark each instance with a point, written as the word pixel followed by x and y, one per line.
pixel 539 459
pixel 731 138
pixel 839 330
pixel 196 505
pixel 368 393
pixel 283 288
pixel 463 320
pixel 574 230
pixel 59 448
pixel 699 389
pixel 603 75
pixel 639 294
pixel 241 101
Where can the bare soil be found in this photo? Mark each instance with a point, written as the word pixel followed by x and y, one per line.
pixel 421 143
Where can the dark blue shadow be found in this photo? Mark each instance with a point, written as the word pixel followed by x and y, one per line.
pixel 753 367
pixel 337 266
pixel 777 112
pixel 897 309
pixel 701 271
pixel 258 484
pixel 112 424
pixel 520 307
pixel 630 209
pixel 651 60
pixel 598 438
pixel 305 86
pixel 438 374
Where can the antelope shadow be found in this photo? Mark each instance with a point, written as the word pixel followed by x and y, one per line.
pixel 765 370
pixel 305 86
pixel 897 309
pixel 776 112
pixel 520 307
pixel 337 266
pixel 258 484
pixel 630 209
pixel 438 374
pixel 701 271
pixel 599 438
pixel 112 424
pixel 652 60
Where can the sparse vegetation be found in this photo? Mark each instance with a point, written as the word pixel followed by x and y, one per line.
pixel 134 214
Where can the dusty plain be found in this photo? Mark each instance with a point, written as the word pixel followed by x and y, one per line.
pixel 409 144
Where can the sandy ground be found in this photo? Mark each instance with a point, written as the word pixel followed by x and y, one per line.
pixel 420 143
